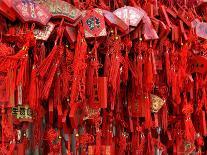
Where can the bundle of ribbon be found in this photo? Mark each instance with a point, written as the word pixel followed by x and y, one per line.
pixel 103 77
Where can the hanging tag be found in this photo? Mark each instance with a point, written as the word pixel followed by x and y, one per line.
pixel 60 113
pixel 185 17
pixel 148 31
pixel 51 111
pixel 203 123
pixel 163 11
pixel 22 113
pixel 98 98
pixel 91 149
pixel 169 136
pixel 175 33
pixel 156 120
pixel 136 106
pixel 164 31
pixel 157 103
pixel 94 23
pixel 183 30
pixel 44 33
pixel 65 126
pixel 102 89
pixel 171 12
pixel 156 24
pixel 107 150
pixel 20 149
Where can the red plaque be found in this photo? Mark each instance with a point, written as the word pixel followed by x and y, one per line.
pixel 94 23
pixel 28 10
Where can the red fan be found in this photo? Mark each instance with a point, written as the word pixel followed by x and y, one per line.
pixel 112 20
pixel 61 9
pixel 29 11
pixel 130 15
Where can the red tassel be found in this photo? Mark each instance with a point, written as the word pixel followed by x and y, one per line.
pixel 23 73
pixel 164 116
pixel 139 72
pixel 98 143
pixel 167 67
pixel 150 144
pixel 47 63
pixel 189 128
pixel 107 65
pixel 49 81
pixel 147 104
pixel 148 73
pixel 34 90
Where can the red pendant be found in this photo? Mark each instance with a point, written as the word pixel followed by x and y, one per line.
pixel 94 23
